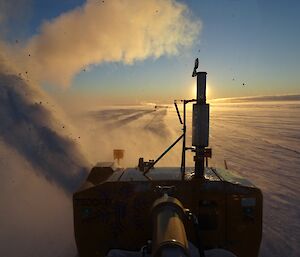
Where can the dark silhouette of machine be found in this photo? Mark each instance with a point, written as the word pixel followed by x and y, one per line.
pixel 175 211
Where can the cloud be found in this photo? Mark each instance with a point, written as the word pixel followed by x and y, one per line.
pixel 105 31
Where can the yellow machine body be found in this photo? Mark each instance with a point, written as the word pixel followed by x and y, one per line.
pixel 112 209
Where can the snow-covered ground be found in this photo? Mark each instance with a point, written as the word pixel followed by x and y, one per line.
pixel 260 140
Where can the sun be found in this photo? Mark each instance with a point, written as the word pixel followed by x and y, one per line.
pixel 194 90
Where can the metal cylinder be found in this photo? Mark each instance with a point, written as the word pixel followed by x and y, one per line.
pixel 169 236
pixel 200 128
pixel 201 87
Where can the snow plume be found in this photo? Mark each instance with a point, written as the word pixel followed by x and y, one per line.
pixel 40 167
pixel 35 215
pixel 105 31
pixel 29 128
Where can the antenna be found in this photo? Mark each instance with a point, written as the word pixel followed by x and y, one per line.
pixel 195 67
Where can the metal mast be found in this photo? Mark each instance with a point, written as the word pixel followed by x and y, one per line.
pixel 200 129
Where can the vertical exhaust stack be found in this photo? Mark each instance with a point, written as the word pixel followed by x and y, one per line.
pixel 200 129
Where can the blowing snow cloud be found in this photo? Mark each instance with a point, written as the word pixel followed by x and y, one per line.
pixel 105 31
pixel 27 126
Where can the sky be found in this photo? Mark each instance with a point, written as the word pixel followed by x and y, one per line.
pixel 254 42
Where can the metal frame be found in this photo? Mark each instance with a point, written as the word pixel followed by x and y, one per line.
pixel 199 150
pixel 182 136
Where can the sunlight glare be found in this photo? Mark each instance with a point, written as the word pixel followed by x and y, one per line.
pixel 194 91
